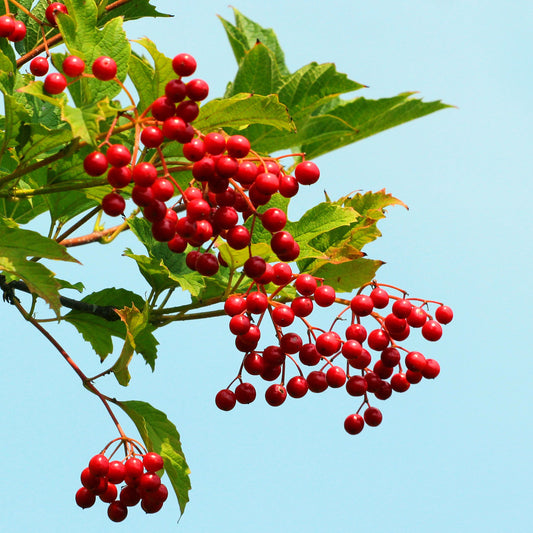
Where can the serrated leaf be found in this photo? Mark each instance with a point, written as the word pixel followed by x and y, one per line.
pixel 16 245
pixel 242 110
pixel 132 10
pixel 160 435
pixel 237 258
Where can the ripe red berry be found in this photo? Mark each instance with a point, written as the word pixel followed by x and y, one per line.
pixel 238 146
pixel 417 317
pixel 254 364
pixel 104 68
pixel 144 174
pixel 390 357
pixel 336 377
pixel 110 494
pixel 18 33
pixel 306 173
pixel 129 496
pixel 113 204
pixel 281 242
pixel 117 511
pixel 188 110
pixel 328 343
pixel 361 360
pixel 256 302
pixel 399 382
pixel 273 355
pixel 99 465
pixel 142 196
pixel 275 395
pixel 7 25
pixel 149 482
pixel 175 90
pixel 85 498
pixel 39 65
pixel 88 479
pixel 402 308
pixel 384 390
pixel 415 361
pixel 274 219
pixel 116 472
pixel 54 83
pixel 302 306
pixel 215 143
pixel 184 64
pixel 354 424
pixel 207 264
pixel 118 155
pixel 234 305
pixel 266 184
pixel 119 177
pixel 245 393
pixel 356 386
pixel 73 66
pixel 373 416
pixel 380 298
pixel 309 355
pixel 194 150
pixel 351 349
pixel 225 400
pixel 413 376
pixel 198 90
pixel 432 330
pixel 378 339
pixel 163 189
pixel 362 305
pixel 291 343
pixel 152 136
pixel 270 372
pixel 297 387
pixel 431 369
pixel 238 237
pixel 356 332
pixel 288 186
pixel 164 230
pixel 324 295
pixel 317 381
pixel 133 467
pixel 283 316
pixel 444 314
pixel 52 10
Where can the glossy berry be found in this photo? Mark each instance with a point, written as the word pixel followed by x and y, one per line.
pixel 85 498
pixel 336 377
pixel 133 467
pixel 373 416
pixel 291 343
pixel 356 386
pixel 444 314
pixel 415 361
pixel 152 137
pixel 306 173
pixel 362 305
pixel 39 66
pixel 245 393
pixel 302 306
pixel 378 339
pixel 324 295
pixel 432 330
pixel 198 90
pixel 7 25
pixel 119 177
pixel 431 369
pixel 113 204
pixel 234 305
pixel 18 33
pixel 328 343
pixel 104 68
pixel 215 143
pixel 256 302
pixel 144 174
pixel 356 332
pixel 117 511
pixel 52 10
pixel 99 465
pixel 73 66
pixel 110 494
pixel 309 355
pixel 317 381
pixel 399 382
pixel 417 317
pixel 238 146
pixel 88 479
pixel 275 395
pixel 297 387
pixel 283 316
pixel 116 472
pixel 379 297
pixel 402 308
pixel 354 424
pixel 225 400
pixel 305 284
pixel 274 219
pixel 118 155
pixel 54 83
pixel 184 64
pixel 175 90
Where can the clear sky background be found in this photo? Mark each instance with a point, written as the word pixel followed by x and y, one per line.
pixel 452 454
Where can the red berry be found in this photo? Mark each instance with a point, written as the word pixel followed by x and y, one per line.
pixel 198 209
pixel 152 137
pixel 283 316
pixel 361 360
pixel 215 143
pixel 297 387
pixel 88 479
pixel 273 355
pixel 129 496
pixel 155 211
pixel 306 173
pixel 309 355
pixel 7 25
pixel 432 330
pixel 275 395
pixel 225 400
pixel 281 242
pixel 238 237
pixel 104 68
pixel 149 482
pixel 55 83
pixel 254 364
pixel 73 66
pixel 336 377
pixel 194 150
pixel 207 264
pixel 417 317
pixel 198 90
pixel 415 361
pixel 177 244
pixel 373 416
pixel 110 494
pixel 245 393
pixel 133 467
pixel 356 332
pixel 118 155
pixel 266 183
pixel 187 110
pixel 351 349
pixel 402 308
pixel 380 298
pixel 356 386
pixel 113 204
pixel 271 372
pixel 184 64
pixel 85 498
pixel 234 305
pixel 413 376
pixel 274 219
pixel 378 339
pixel 175 90
pixel 39 65
pixel 399 382
pixel 256 302
pixel 291 343
pixel 142 196
pixel 317 381
pixel 282 274
pixel 119 177
pixel 324 296
pixel 288 186
pixel 444 314
pixel 238 146
pixel 302 306
pixel 354 424
pixel 390 357
pixel 116 472
pixel 144 174
pixel 383 391
pixel 431 369
pixel 52 10
pixel 362 305
pixel 164 230
pixel 99 465
pixel 18 33
pixel 163 189
pixel 117 511
pixel 328 343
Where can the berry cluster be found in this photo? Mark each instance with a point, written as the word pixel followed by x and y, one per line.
pixel 11 28
pixel 364 362
pixel 141 484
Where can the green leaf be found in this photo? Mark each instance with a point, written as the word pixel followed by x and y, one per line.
pixel 161 436
pixel 150 81
pixel 16 245
pixel 137 328
pixel 132 10
pixel 242 110
pixel 95 329
pixel 246 33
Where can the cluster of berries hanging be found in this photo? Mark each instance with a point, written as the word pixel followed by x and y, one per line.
pixel 362 361
pixel 138 474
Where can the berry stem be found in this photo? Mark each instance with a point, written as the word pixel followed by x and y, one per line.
pixel 86 383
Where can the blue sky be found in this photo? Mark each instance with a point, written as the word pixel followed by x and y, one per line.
pixel 451 454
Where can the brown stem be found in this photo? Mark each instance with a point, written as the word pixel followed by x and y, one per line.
pixel 86 383
pixel 95 236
